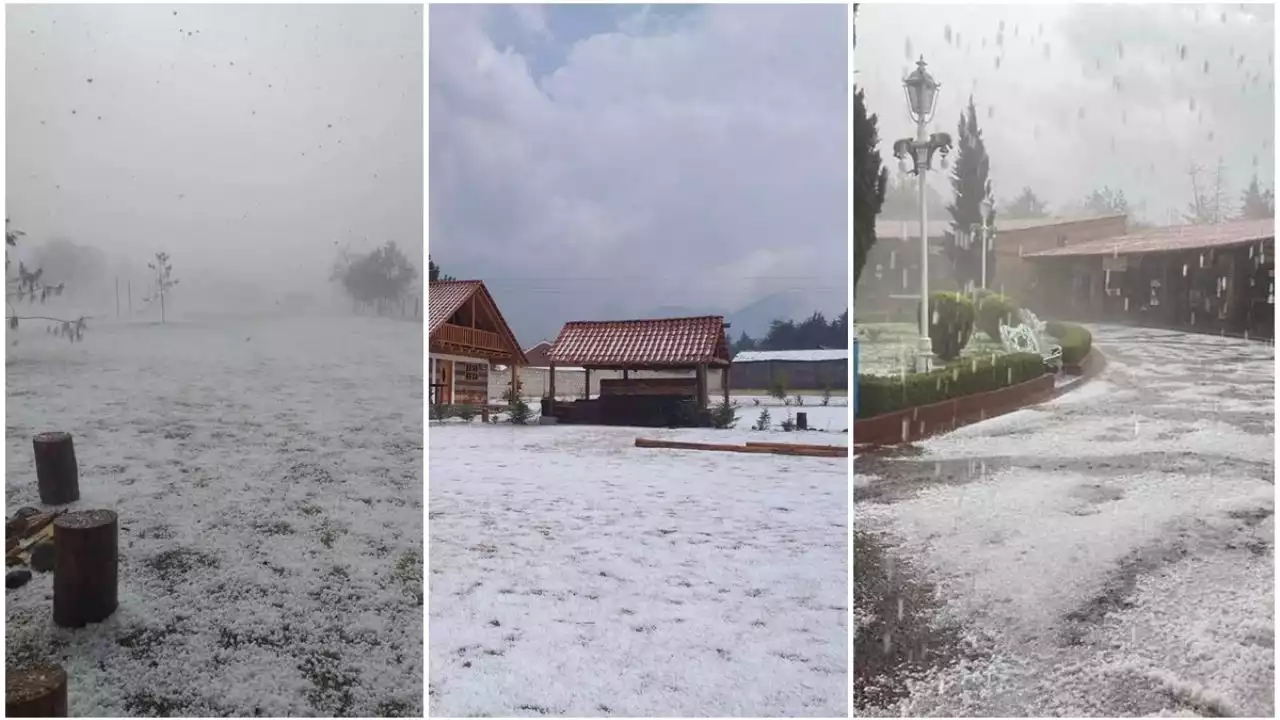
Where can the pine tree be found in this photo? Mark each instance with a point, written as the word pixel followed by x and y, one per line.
pixel 1256 203
pixel 870 179
pixel 1026 205
pixel 1105 202
pixel 972 185
pixel 433 271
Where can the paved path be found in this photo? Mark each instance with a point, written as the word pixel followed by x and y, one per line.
pixel 1107 553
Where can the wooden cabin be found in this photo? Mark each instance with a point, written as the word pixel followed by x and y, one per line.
pixel 468 334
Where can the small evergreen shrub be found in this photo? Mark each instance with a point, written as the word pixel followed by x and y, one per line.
pixel 995 310
pixel 826 395
pixel 441 412
pixel 762 421
pixel 520 413
pixel 951 318
pixel 878 395
pixel 724 415
pixel 788 423
pixel 1076 341
pixel 466 413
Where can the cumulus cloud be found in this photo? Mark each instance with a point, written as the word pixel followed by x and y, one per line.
pixel 641 159
pixel 1088 95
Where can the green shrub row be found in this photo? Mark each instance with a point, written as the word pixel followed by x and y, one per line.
pixel 1075 340
pixel 878 395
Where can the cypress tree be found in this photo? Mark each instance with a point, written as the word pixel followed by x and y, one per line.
pixel 972 185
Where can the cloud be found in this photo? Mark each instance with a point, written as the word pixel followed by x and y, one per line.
pixel 1110 104
pixel 651 166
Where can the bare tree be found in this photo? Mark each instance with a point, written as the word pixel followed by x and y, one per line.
pixel 29 287
pixel 163 279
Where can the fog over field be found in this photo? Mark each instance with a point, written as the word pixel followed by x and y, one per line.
pixel 251 143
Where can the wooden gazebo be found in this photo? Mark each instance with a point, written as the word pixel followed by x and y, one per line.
pixel 467 334
pixel 695 344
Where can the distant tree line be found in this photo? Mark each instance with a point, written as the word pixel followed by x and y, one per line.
pixel 813 333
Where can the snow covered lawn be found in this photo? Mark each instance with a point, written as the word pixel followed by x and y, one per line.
pixel 1107 553
pixel 573 573
pixel 268 479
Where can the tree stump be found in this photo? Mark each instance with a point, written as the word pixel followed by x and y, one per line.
pixel 85 578
pixel 37 692
pixel 802 421
pixel 56 471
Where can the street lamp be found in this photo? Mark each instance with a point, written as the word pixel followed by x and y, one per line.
pixel 985 233
pixel 916 156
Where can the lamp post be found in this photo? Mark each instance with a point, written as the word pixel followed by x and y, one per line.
pixel 916 156
pixel 984 232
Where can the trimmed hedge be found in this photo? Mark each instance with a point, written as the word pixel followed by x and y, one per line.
pixel 951 317
pixel 994 310
pixel 1076 341
pixel 878 395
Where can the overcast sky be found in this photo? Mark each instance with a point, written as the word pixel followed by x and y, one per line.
pixel 238 138
pixel 598 161
pixel 1086 95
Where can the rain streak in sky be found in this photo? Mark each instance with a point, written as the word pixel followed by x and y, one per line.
pixel 1074 98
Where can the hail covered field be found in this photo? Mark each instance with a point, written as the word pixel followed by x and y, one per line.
pixel 572 573
pixel 267 474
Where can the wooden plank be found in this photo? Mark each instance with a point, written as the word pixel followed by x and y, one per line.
pixel 832 452
pixel 800 446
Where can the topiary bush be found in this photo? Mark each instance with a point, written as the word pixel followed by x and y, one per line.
pixel 878 394
pixel 1076 340
pixel 995 310
pixel 951 318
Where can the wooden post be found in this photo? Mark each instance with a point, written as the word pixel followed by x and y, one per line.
pixel 85 580
pixel 515 381
pixel 625 374
pixel 701 373
pixel 586 390
pixel 551 390
pixel 802 421
pixel 724 383
pixel 37 692
pixel 57 474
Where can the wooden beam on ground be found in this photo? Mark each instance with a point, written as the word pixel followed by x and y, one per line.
pixel 761 449
pixel 800 446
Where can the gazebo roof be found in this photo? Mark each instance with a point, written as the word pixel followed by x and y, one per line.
pixel 665 342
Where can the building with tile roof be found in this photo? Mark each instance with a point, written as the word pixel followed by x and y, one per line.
pixel 467 334
pixel 687 343
pixel 1205 278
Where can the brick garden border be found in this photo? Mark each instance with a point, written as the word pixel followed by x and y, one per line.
pixel 913 424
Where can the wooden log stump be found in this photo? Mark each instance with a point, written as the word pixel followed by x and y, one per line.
pixel 57 474
pixel 85 580
pixel 38 692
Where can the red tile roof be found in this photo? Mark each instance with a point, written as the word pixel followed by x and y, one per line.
pixel 667 342
pixel 444 297
pixel 1170 239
